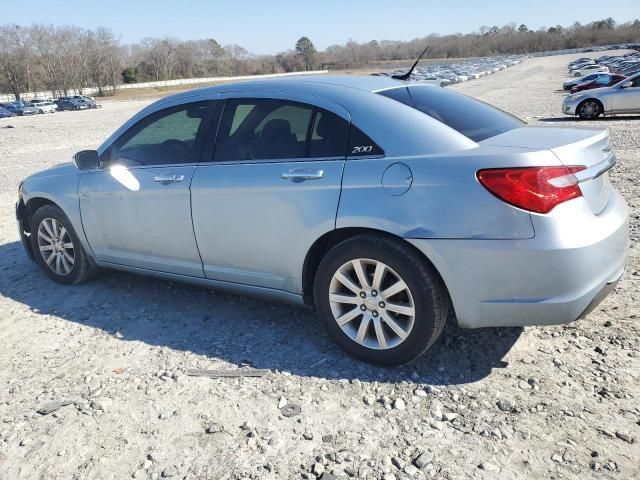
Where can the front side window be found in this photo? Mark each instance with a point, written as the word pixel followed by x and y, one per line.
pixel 270 129
pixel 470 117
pixel 163 138
pixel 603 81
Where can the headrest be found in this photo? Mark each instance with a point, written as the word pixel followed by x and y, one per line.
pixel 276 127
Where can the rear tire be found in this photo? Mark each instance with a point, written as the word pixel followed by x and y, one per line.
pixel 374 322
pixel 57 249
pixel 589 109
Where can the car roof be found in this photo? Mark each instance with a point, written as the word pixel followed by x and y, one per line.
pixel 304 83
pixel 353 97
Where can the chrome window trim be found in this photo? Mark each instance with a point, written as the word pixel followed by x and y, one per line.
pixel 273 160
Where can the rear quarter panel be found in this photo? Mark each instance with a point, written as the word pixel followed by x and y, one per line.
pixel 445 200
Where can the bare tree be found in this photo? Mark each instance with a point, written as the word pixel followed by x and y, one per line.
pixel 66 58
pixel 17 58
pixel 161 56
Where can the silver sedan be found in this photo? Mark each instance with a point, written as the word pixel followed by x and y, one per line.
pixel 624 97
pixel 389 206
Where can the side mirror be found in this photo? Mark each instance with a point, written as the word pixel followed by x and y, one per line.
pixel 627 85
pixel 87 160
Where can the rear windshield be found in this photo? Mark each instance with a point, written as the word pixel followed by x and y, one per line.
pixel 472 118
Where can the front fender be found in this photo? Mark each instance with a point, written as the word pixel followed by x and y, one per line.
pixel 62 191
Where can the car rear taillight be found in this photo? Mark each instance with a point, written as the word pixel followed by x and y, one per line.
pixel 537 189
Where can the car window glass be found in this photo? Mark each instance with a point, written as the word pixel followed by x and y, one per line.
pixel 602 80
pixel 262 129
pixel 165 137
pixel 470 117
pixel 329 135
pixel 297 116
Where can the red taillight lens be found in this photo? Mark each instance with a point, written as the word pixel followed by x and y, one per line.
pixel 537 189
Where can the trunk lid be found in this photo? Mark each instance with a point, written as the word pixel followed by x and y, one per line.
pixel 573 146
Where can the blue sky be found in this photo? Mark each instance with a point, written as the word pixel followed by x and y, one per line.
pixel 270 26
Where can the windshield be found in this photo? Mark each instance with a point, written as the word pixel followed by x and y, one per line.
pixel 470 117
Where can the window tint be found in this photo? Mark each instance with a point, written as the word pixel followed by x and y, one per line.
pixel 361 145
pixel 269 129
pixel 260 129
pixel 472 118
pixel 165 137
pixel 603 81
pixel 329 135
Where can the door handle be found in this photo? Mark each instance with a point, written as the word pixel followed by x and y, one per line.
pixel 301 174
pixel 167 179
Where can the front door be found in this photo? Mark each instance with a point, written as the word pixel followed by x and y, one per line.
pixel 627 99
pixel 136 210
pixel 271 189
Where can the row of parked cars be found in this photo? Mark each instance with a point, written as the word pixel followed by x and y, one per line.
pixel 444 74
pixel 627 64
pixel 40 106
pixel 609 84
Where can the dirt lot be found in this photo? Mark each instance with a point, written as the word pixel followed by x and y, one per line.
pixel 556 402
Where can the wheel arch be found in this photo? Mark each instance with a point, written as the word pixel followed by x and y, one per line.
pixel 28 208
pixel 592 99
pixel 330 239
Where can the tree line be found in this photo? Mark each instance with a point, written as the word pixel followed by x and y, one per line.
pixel 65 58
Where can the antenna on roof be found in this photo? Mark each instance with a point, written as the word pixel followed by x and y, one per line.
pixel 407 76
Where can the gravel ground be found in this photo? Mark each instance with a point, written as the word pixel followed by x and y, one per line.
pixel 555 402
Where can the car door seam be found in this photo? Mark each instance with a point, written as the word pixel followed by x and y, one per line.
pixel 193 225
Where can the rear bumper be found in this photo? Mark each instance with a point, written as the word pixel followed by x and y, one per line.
pixel 560 275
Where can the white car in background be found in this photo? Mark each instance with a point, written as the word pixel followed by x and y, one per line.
pixel 590 69
pixel 45 106
pixel 621 98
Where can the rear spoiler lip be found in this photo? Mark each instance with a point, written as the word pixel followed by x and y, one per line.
pixel 594 171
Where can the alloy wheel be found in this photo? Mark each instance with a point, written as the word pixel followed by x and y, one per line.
pixel 56 246
pixel 589 109
pixel 372 304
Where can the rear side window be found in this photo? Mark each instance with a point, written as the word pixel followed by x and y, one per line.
pixel 470 117
pixel 272 129
pixel 328 136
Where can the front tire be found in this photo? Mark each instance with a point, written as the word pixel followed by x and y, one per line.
pixel 380 300
pixel 589 110
pixel 56 247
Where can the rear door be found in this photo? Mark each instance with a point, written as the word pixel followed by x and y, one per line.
pixel 270 188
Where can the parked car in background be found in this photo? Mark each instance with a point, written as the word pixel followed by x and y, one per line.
pixel 71 104
pixel 589 69
pixel 581 63
pixel 631 71
pixel 384 203
pixel 623 97
pixel 88 101
pixel 44 106
pixel 569 84
pixel 600 82
pixel 4 113
pixel 21 108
